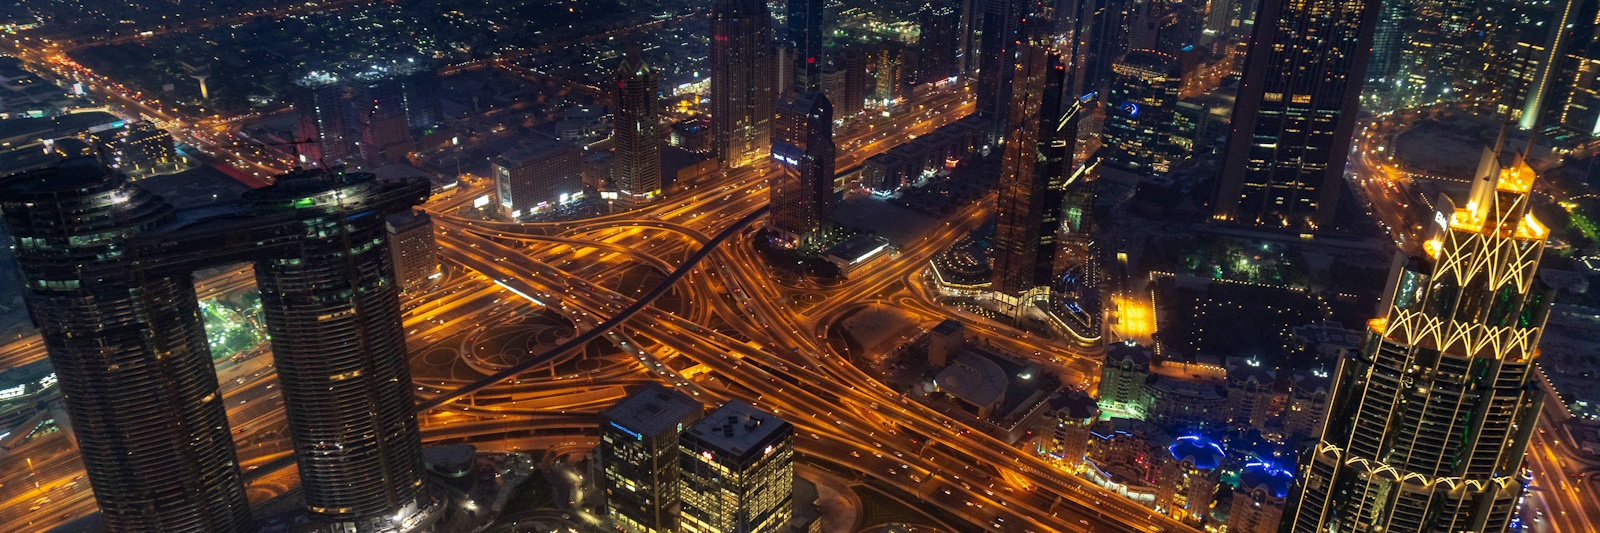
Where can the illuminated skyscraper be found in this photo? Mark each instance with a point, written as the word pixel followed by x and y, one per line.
pixel 1443 53
pixel 636 166
pixel 639 455
pixel 805 39
pixel 889 86
pixel 1038 151
pixel 1284 162
pixel 1427 427
pixel 742 93
pixel 109 269
pixel 802 198
pixel 1140 111
pixel 738 472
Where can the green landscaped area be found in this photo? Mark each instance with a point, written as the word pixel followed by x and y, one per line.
pixel 233 327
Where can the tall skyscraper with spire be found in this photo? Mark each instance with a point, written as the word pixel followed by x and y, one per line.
pixel 1428 425
pixel 802 197
pixel 636 165
pixel 1283 166
pixel 1038 152
pixel 805 39
pixel 742 94
pixel 109 269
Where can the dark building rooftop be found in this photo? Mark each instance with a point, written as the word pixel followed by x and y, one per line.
pixel 653 410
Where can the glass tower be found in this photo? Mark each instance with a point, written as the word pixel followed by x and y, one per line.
pixel 1284 162
pixel 1140 112
pixel 805 39
pixel 738 472
pixel 1038 150
pixel 742 92
pixel 1428 425
pixel 639 456
pixel 802 197
pixel 636 169
pixel 129 349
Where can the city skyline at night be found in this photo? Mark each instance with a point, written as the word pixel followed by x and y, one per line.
pixel 837 266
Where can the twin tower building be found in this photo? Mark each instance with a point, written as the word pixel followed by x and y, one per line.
pixel 109 268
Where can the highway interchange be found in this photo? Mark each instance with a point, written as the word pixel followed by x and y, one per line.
pixel 725 328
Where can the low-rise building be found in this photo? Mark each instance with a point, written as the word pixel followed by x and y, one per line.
pixel 1251 392
pixel 1122 378
pixel 1308 404
pixel 1065 428
pixel 1186 404
pixel 1258 500
pixel 537 178
pixel 857 252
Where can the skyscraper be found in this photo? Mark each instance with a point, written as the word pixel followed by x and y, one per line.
pixel 1001 22
pixel 122 329
pixel 366 118
pixel 805 39
pixel 802 197
pixel 937 44
pixel 890 82
pixel 636 167
pixel 1038 151
pixel 851 100
pixel 1427 428
pixel 1388 39
pixel 738 472
pixel 1092 27
pixel 1547 55
pixel 1140 111
pixel 1443 53
pixel 638 453
pixel 741 82
pixel 1284 162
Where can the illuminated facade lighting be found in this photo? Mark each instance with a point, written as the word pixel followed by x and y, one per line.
pixel 1427 428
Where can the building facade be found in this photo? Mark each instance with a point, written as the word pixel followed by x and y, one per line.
pixel 805 41
pixel 1001 28
pixel 1258 500
pixel 1064 437
pixel 638 453
pixel 1038 152
pixel 123 331
pixel 1298 102
pixel 742 82
pixel 937 44
pixel 738 472
pixel 636 165
pixel 1428 427
pixel 1140 113
pixel 534 179
pixel 412 248
pixel 802 197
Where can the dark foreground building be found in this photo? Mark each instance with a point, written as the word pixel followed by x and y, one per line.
pixel 109 268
